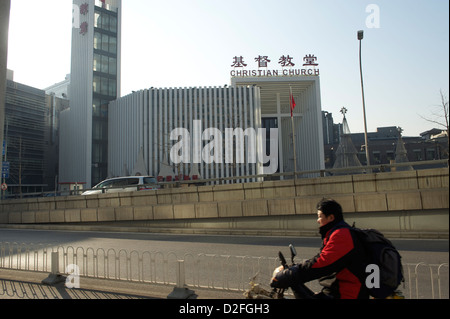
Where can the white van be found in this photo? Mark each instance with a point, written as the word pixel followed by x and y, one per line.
pixel 124 184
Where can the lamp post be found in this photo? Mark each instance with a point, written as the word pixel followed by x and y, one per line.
pixel 360 38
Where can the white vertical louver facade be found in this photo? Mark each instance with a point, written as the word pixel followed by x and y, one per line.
pixel 140 125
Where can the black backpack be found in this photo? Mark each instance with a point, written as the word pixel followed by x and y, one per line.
pixel 381 252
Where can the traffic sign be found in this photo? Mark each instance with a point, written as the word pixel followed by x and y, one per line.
pixel 5 169
pixel 4 187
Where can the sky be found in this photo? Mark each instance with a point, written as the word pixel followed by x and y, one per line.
pixel 192 43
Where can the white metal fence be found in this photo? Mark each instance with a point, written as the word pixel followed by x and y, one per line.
pixel 222 272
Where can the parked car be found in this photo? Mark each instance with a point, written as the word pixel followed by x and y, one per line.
pixel 124 184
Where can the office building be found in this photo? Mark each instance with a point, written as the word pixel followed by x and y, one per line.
pixel 94 82
pixel 24 138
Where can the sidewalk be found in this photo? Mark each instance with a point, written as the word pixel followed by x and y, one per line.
pixel 22 285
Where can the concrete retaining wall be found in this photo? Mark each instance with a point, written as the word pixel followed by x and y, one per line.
pixel 403 203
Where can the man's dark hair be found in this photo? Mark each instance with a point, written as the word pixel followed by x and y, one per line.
pixel 331 207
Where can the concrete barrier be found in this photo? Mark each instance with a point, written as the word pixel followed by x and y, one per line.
pixel 413 203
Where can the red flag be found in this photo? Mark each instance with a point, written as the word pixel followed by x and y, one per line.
pixel 293 105
pixel 103 3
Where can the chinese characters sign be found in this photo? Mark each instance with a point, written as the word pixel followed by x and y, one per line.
pixel 287 63
pixel 238 62
pixel 84 10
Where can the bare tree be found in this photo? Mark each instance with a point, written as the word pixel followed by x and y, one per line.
pixel 441 115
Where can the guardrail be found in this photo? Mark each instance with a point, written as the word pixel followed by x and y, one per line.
pixel 249 178
pixel 221 272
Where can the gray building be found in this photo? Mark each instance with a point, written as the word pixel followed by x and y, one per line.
pixel 24 132
pixel 386 145
pixel 94 82
pixel 53 109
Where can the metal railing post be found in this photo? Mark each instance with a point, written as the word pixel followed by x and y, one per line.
pixel 181 278
pixel 181 291
pixel 54 277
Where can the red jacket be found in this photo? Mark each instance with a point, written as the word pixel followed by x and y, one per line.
pixel 339 265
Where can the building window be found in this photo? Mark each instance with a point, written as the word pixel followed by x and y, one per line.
pixel 431 154
pixel 390 155
pixel 377 157
pixel 97 62
pixel 112 87
pixel 417 155
pixel 105 64
pixel 97 40
pixel 96 84
pixel 105 42
pixel 113 24
pixel 112 45
pixel 112 66
pixel 105 21
pixel 97 21
pixel 105 86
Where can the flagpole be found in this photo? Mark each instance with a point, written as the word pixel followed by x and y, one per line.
pixel 291 102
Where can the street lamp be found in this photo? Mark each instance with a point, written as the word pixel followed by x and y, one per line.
pixel 360 38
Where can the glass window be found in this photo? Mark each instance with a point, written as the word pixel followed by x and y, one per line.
pixel 104 110
pixel 133 181
pixel 112 45
pixel 106 184
pixel 96 131
pixel 113 24
pixel 97 41
pixel 96 107
pixel 97 157
pixel 417 154
pixel 431 154
pixel 125 182
pixel 97 21
pixel 150 180
pixel 390 155
pixel 105 22
pixel 113 66
pixel 99 152
pixel 104 86
pixel 112 87
pixel 97 62
pixel 105 42
pixel 95 110
pixel 96 84
pixel 105 64
pixel 377 157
